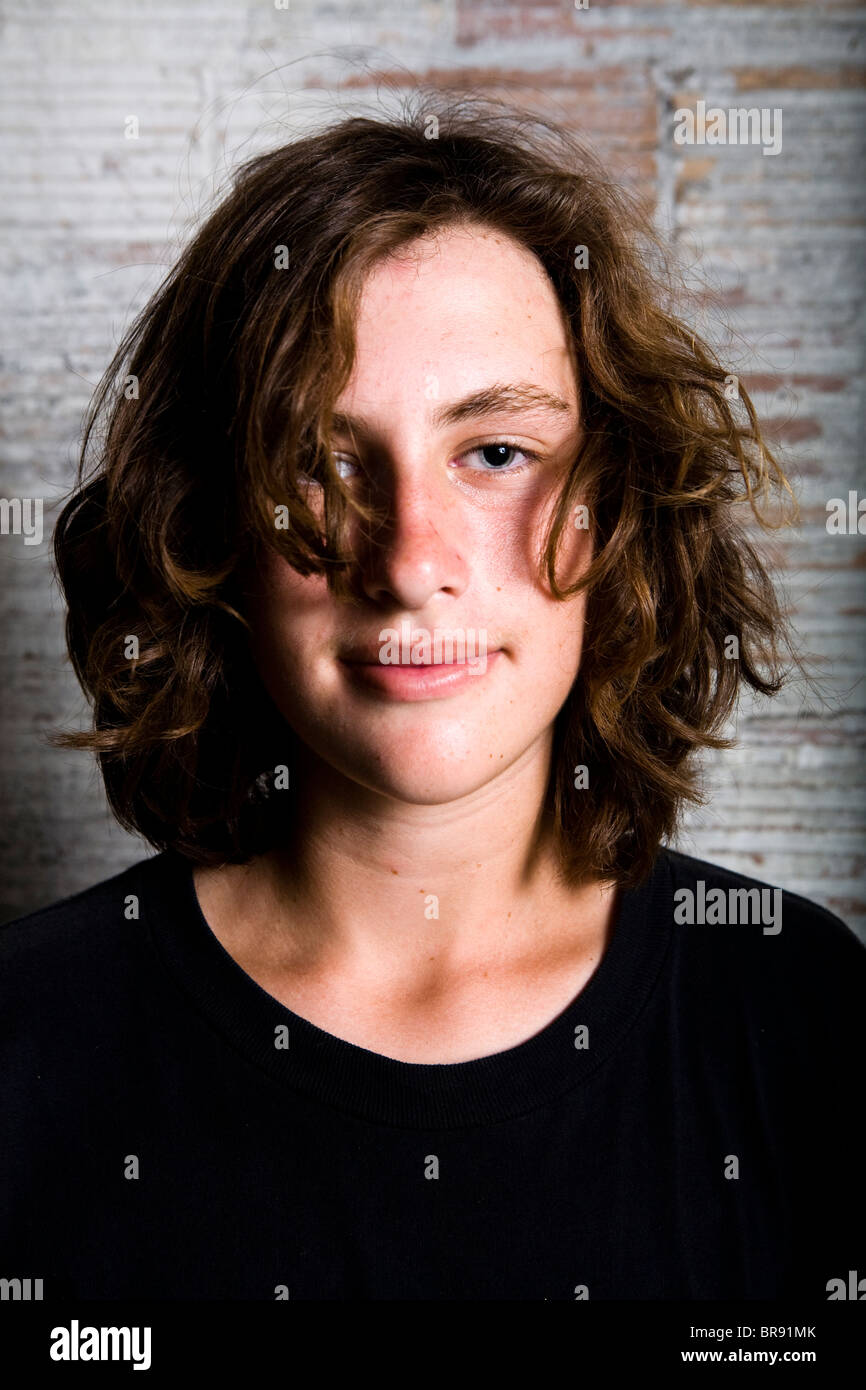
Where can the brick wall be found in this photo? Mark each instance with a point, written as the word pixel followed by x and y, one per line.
pixel 91 219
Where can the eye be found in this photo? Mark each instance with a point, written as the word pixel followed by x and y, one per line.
pixel 498 457
pixel 344 467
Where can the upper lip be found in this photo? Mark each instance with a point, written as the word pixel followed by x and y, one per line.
pixel 369 656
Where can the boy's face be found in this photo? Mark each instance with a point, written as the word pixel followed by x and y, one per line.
pixel 468 316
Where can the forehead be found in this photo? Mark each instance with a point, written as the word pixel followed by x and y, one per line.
pixel 455 312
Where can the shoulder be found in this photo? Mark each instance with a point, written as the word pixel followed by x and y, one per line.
pixel 756 941
pixel 798 911
pixel 80 934
pixel 771 906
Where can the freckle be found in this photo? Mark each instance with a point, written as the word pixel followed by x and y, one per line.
pixel 394 871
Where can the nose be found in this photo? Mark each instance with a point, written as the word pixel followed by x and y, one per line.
pixel 420 548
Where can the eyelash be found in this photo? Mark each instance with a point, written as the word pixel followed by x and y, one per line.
pixel 493 444
pixel 506 444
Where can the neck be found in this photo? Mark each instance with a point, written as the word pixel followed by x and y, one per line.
pixel 375 883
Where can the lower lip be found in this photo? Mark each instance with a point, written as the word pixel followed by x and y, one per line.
pixel 419 682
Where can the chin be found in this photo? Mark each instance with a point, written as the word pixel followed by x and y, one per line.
pixel 420 771
pixel 429 790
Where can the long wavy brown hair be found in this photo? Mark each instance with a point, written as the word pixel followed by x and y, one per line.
pixel 217 407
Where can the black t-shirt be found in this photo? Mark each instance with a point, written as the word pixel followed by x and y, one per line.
pixel 684 1129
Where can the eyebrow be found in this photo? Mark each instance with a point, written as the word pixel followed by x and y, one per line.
pixel 521 395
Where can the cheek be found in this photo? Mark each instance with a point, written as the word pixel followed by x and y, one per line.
pixel 555 642
pixel 550 627
pixel 511 546
pixel 287 613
